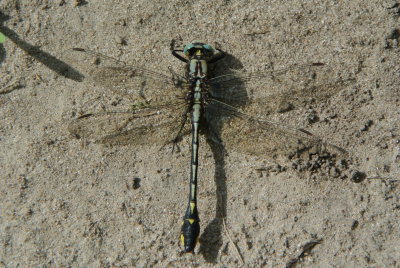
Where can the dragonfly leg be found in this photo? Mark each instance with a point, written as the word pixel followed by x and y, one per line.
pixel 176 55
pixel 179 134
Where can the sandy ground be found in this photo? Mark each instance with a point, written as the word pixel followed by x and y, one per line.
pixel 67 202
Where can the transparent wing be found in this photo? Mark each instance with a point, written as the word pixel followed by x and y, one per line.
pixel 151 106
pixel 159 125
pixel 280 90
pixel 129 81
pixel 241 132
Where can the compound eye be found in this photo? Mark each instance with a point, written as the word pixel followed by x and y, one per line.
pixel 208 47
pixel 188 49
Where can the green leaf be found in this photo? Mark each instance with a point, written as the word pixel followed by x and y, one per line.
pixel 2 38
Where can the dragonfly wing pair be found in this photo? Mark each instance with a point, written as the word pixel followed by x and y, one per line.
pixel 243 100
pixel 156 106
pixel 152 106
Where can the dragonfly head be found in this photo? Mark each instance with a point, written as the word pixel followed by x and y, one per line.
pixel 198 48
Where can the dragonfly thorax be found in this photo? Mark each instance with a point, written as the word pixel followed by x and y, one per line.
pixel 197 69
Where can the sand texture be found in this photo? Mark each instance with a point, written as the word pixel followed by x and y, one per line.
pixel 71 201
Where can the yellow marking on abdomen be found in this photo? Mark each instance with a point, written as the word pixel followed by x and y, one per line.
pixel 192 206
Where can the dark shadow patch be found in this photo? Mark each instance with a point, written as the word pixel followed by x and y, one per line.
pixel 2 53
pixel 45 58
pixel 3 18
pixel 211 237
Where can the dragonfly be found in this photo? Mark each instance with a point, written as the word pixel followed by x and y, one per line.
pixel 231 109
